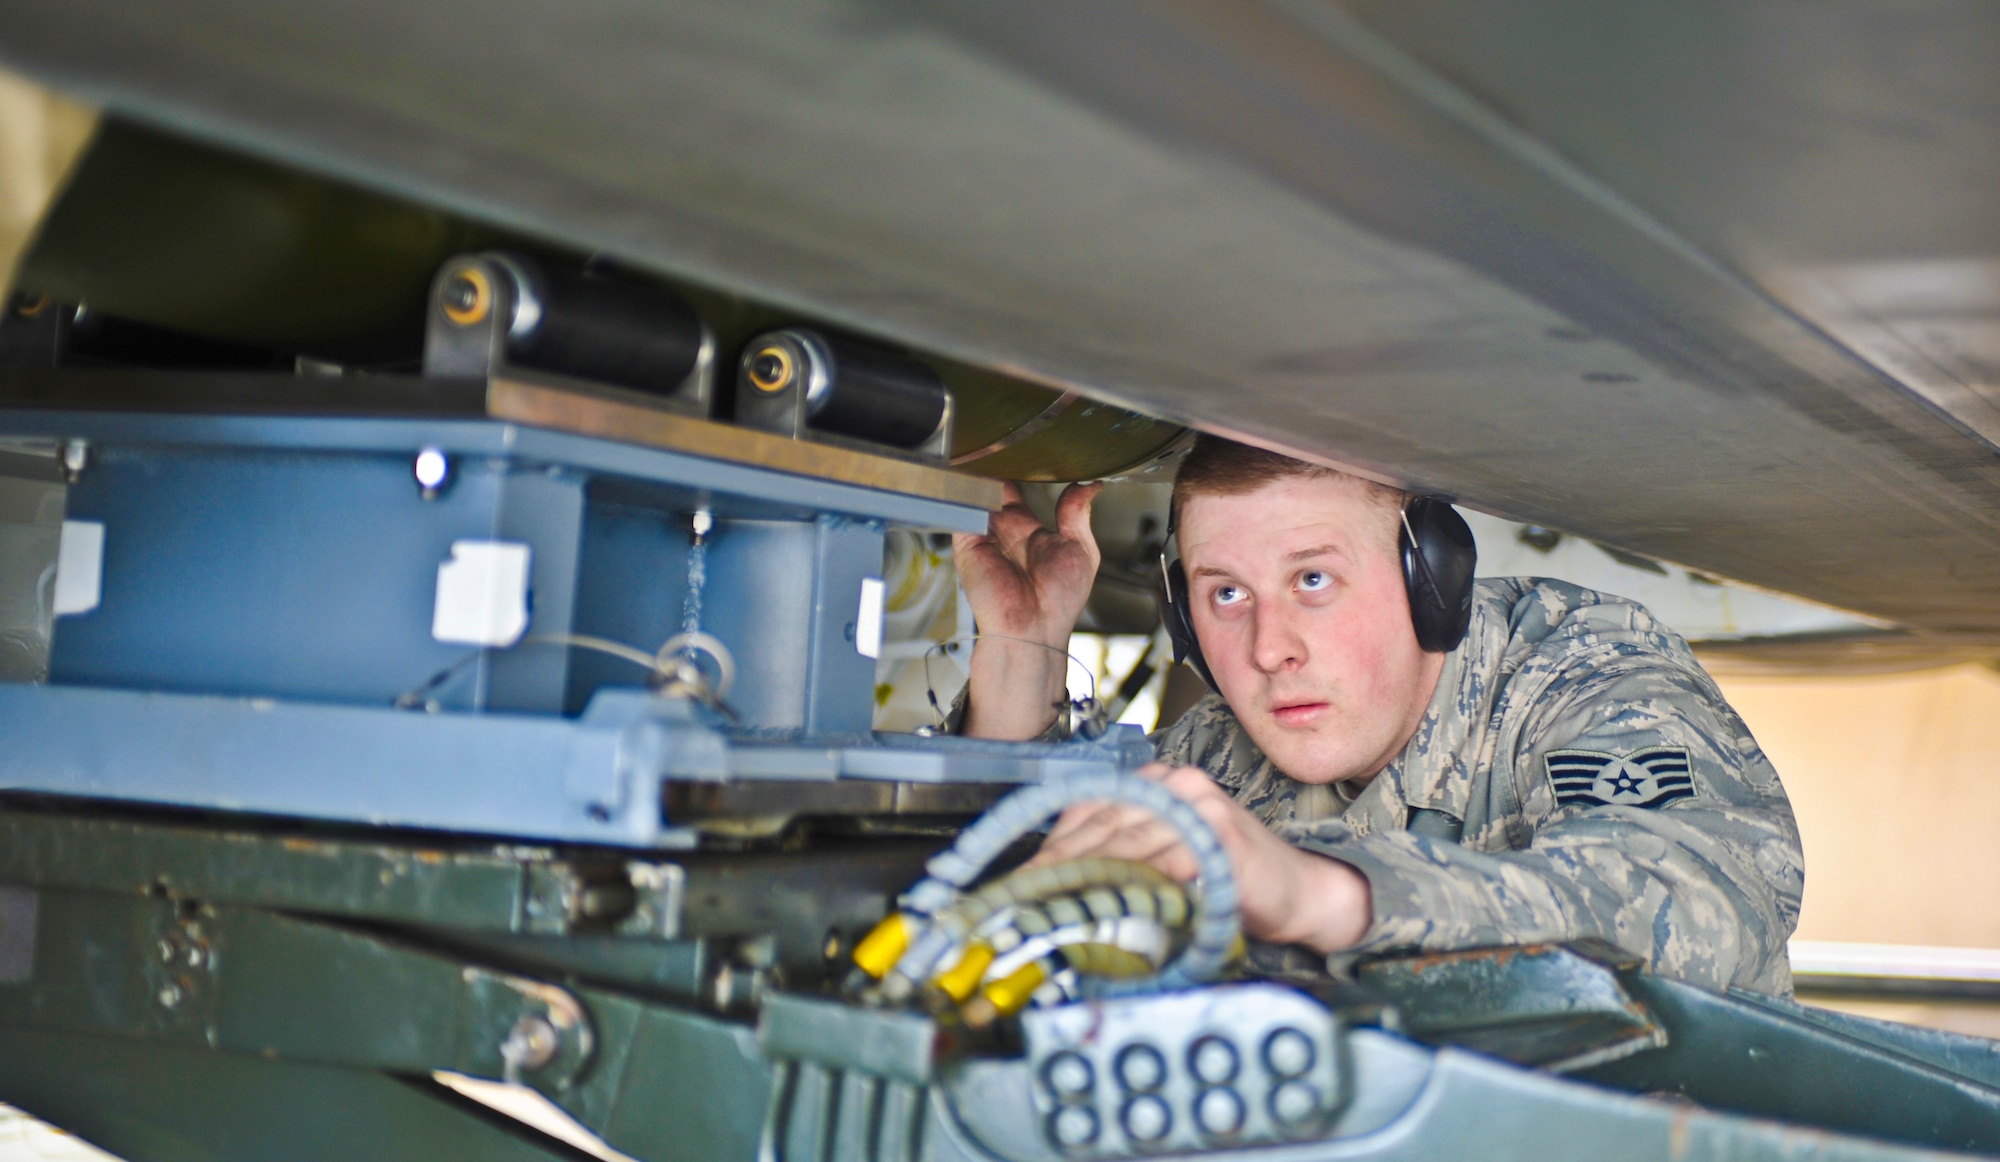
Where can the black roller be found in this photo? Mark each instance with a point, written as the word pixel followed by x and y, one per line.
pixel 851 389
pixel 601 329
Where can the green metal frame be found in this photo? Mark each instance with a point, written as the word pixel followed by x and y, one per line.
pixel 180 990
pixel 322 972
pixel 179 1103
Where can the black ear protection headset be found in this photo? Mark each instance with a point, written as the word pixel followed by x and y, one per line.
pixel 1438 560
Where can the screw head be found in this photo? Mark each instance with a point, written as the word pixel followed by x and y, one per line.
pixel 171 996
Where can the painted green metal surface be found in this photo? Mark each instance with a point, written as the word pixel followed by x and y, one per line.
pixel 259 985
pixel 264 984
pixel 166 1025
pixel 153 1102
pixel 511 889
pixel 1744 1055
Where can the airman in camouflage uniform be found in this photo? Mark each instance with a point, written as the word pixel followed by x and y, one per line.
pixel 1566 771
pixel 1577 774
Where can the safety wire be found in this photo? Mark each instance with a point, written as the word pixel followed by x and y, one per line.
pixel 1084 716
pixel 675 667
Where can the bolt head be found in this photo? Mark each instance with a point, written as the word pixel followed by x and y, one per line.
pixel 533 1042
pixel 771 369
pixel 432 469
pixel 467 297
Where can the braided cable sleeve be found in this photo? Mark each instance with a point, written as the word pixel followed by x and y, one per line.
pixel 957 867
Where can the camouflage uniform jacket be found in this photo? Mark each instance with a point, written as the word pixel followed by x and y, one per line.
pixel 1604 787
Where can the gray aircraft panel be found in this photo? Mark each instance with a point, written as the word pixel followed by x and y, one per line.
pixel 1265 219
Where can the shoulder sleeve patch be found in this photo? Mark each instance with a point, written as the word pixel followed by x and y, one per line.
pixel 1653 777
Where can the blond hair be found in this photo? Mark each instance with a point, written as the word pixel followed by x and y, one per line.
pixel 1219 467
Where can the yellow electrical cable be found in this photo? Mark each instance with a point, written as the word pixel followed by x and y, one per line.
pixel 879 951
pixel 961 980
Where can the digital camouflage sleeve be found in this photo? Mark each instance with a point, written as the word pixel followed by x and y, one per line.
pixel 1603 786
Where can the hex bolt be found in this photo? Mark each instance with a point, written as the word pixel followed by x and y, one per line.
pixel 533 1042
pixel 171 995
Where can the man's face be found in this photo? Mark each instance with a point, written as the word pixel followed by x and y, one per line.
pixel 1299 603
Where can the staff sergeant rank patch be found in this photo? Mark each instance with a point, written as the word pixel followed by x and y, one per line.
pixel 1653 777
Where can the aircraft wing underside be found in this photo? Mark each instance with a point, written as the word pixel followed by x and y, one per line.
pixel 1715 283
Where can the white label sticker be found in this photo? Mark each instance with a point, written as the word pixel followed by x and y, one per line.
pixel 482 594
pixel 79 567
pixel 868 620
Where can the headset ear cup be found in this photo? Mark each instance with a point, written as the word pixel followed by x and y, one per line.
pixel 1178 616
pixel 1439 561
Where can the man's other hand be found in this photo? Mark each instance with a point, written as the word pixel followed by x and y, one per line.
pixel 1287 895
pixel 1025 582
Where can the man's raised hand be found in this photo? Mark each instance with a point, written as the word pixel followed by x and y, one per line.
pixel 1030 582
